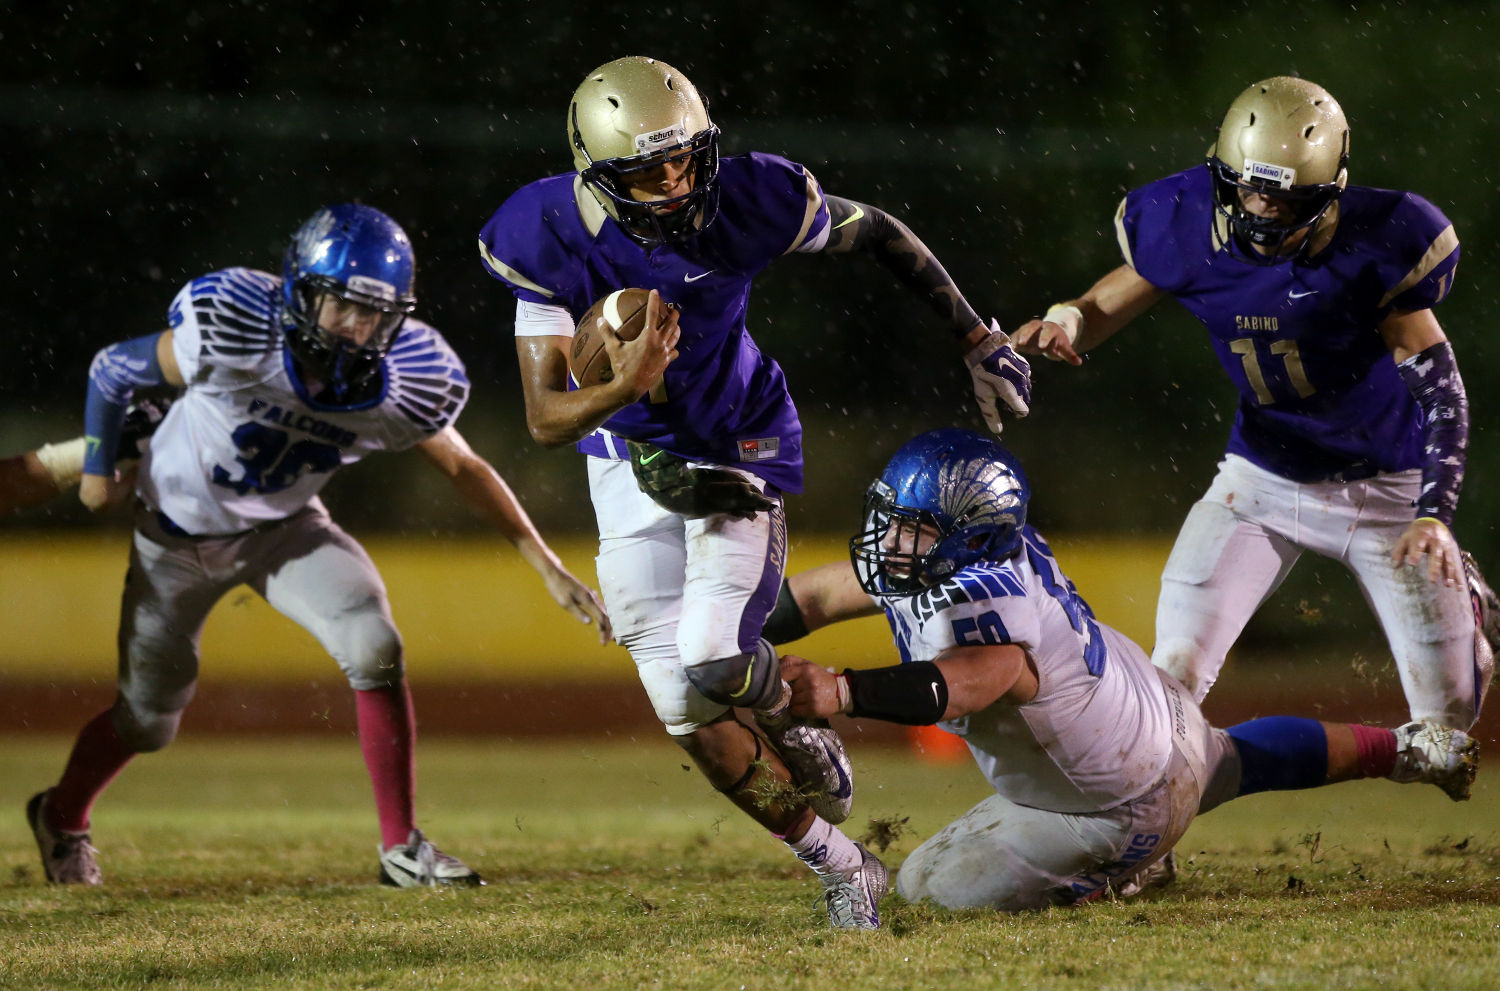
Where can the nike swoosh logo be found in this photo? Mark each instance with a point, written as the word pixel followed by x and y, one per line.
pixel 653 457
pixel 700 275
pixel 1299 295
pixel 846 787
pixel 859 211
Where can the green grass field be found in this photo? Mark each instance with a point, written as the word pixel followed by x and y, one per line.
pixel 240 864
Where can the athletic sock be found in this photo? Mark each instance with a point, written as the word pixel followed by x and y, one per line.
pixel 1280 753
pixel 826 849
pixel 387 738
pixel 1376 748
pixel 98 755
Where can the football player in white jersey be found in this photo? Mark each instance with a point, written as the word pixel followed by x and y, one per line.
pixel 1099 761
pixel 285 379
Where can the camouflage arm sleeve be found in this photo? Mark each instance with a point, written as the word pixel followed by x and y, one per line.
pixel 1432 376
pixel 861 227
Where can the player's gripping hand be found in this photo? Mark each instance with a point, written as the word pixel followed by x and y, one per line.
pixel 1430 538
pixel 142 417
pixel 815 690
pixel 1001 377
pixel 640 362
pixel 578 599
pixel 674 484
pixel 99 492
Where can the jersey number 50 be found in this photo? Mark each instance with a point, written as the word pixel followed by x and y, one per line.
pixel 270 464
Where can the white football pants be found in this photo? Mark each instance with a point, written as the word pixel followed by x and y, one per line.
pixel 1015 858
pixel 1241 539
pixel 682 591
pixel 305 566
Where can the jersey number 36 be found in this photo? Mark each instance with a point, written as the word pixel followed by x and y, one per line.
pixel 270 464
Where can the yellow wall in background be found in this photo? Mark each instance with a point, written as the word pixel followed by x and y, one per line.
pixel 467 608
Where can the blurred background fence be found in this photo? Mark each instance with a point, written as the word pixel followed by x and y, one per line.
pixel 144 144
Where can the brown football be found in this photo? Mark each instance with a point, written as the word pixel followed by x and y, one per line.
pixel 625 312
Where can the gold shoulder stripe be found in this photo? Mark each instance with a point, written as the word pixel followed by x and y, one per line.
pixel 814 202
pixel 590 210
pixel 1442 246
pixel 509 274
pixel 1120 234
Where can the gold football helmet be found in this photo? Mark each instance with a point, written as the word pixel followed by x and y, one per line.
pixel 1286 138
pixel 633 115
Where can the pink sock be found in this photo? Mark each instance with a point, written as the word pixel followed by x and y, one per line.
pixel 98 755
pixel 1376 748
pixel 388 737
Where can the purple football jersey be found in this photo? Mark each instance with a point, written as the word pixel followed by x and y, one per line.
pixel 726 402
pixel 1320 396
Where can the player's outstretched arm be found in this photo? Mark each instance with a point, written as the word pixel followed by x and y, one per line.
pixel 556 416
pixel 487 494
pixel 117 371
pixel 812 599
pixel 1001 376
pixel 1427 365
pixel 961 680
pixel 860 227
pixel 1074 326
pixel 26 479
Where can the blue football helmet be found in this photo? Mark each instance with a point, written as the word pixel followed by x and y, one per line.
pixel 359 256
pixel 947 499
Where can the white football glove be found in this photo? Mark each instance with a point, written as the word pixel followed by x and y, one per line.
pixel 1000 376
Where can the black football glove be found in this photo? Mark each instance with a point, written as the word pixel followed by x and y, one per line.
pixel 674 484
pixel 142 417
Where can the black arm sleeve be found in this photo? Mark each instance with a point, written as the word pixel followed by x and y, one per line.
pixel 861 227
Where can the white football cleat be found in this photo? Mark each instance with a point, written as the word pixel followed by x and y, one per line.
pixel 813 752
pixel 1157 875
pixel 68 858
pixel 1486 621
pixel 853 899
pixel 419 864
pixel 1439 755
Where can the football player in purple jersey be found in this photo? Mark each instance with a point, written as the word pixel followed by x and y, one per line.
pixel 694 440
pixel 285 380
pixel 1352 426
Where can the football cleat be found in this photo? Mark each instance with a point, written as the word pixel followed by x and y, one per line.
pixel 853 899
pixel 1439 755
pixel 68 858
pixel 813 752
pixel 1486 603
pixel 1157 875
pixel 419 864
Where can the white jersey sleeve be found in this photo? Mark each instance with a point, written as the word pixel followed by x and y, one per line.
pixel 1098 731
pixel 428 386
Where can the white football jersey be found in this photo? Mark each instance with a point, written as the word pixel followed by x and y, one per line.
pixel 245 444
pixel 1098 732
